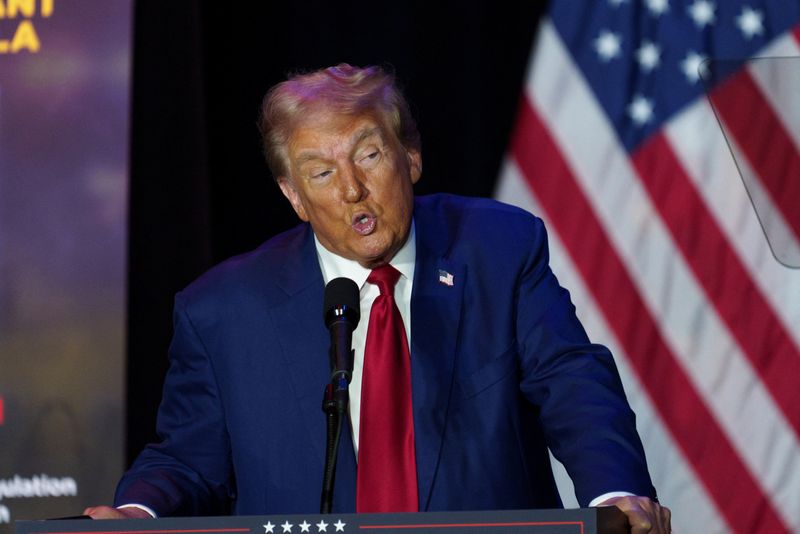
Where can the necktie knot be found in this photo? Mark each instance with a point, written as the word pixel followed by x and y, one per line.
pixel 385 277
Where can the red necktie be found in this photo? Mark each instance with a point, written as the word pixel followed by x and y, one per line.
pixel 387 468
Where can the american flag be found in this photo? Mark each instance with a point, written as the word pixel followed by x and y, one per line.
pixel 445 278
pixel 653 231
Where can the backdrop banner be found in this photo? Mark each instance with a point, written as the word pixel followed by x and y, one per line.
pixel 64 100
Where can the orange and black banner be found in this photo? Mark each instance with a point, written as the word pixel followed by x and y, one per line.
pixel 64 101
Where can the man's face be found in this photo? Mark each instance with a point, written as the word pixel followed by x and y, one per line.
pixel 351 178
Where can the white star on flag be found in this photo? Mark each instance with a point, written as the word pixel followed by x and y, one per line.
pixel 304 526
pixel 287 527
pixel 322 526
pixel 648 55
pixel 691 66
pixel 751 22
pixel 339 526
pixel 702 12
pixel 607 45
pixel 269 528
pixel 445 278
pixel 658 7
pixel 640 110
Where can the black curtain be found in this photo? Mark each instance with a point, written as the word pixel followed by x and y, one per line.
pixel 200 190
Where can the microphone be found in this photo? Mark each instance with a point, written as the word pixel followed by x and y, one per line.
pixel 341 312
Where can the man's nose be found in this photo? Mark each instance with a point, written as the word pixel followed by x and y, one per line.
pixel 353 184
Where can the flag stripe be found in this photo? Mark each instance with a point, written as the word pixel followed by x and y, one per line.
pixel 748 116
pixel 783 242
pixel 757 427
pixel 710 168
pixel 737 299
pixel 728 481
pixel 770 73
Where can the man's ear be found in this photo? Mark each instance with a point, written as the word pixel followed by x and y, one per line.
pixel 415 164
pixel 291 194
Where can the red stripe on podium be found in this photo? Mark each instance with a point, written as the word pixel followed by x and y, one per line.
pixel 161 531
pixel 478 525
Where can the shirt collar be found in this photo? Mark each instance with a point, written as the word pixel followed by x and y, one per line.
pixel 335 266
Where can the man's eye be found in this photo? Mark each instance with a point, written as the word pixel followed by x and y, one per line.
pixel 322 174
pixel 372 156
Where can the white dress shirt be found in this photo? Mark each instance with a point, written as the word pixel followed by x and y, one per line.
pixel 334 266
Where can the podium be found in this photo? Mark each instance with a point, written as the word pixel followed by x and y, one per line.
pixel 606 520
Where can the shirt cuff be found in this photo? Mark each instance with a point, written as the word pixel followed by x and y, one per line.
pixel 140 507
pixel 597 500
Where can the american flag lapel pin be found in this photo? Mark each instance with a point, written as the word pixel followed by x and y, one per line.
pixel 445 278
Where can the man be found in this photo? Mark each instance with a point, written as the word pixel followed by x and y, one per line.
pixel 499 367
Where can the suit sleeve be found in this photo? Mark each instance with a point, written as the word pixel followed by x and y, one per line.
pixel 587 421
pixel 189 471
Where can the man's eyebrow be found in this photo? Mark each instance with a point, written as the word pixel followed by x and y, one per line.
pixel 306 156
pixel 366 133
pixel 310 155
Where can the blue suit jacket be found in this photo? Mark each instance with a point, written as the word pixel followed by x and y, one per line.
pixel 501 368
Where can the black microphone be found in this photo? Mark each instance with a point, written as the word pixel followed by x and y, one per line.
pixel 341 312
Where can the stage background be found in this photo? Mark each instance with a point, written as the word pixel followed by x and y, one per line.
pixel 64 106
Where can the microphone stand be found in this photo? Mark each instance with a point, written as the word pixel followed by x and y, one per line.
pixel 334 403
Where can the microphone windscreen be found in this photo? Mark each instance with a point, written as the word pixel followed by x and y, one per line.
pixel 341 298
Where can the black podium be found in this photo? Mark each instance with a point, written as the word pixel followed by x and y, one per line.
pixel 608 520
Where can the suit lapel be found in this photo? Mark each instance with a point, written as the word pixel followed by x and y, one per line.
pixel 435 320
pixel 304 343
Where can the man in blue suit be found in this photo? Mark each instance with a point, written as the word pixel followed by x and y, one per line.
pixel 500 367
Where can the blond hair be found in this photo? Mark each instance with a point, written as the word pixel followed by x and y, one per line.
pixel 341 89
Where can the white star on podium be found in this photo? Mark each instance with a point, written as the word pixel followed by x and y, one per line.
pixel 304 526
pixel 268 528
pixel 322 526
pixel 287 527
pixel 339 525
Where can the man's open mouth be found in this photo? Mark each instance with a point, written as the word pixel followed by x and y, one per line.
pixel 364 223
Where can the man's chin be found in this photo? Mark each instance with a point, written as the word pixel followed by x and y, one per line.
pixel 374 252
pixel 375 258
pixel 374 261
